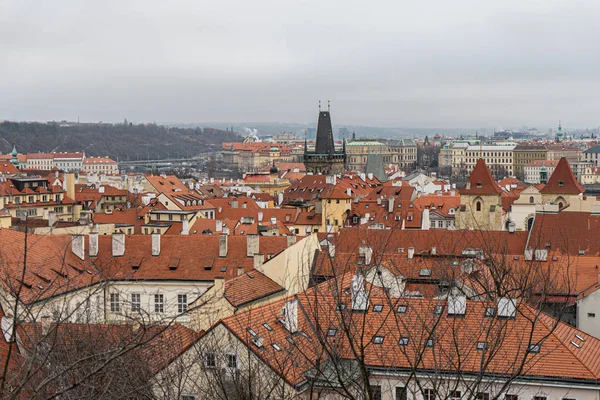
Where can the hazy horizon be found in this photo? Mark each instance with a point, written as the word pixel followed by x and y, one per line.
pixel 459 65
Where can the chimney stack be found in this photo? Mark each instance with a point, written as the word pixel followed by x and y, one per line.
pixel 349 192
pixel 156 244
pixel 411 253
pixel 234 204
pixel 291 316
pixel 118 244
pixel 280 199
pixel 259 216
pixel 291 240
pixel 240 271
pixel 219 225
pixel 78 246
pixel 93 244
pixel 225 230
pixel 367 252
pixel 52 218
pixel 70 185
pixel 331 248
pixel 252 245
pixel 222 245
pixel 185 228
pixel 425 221
pixel 259 259
pixel 391 204
pixel 273 220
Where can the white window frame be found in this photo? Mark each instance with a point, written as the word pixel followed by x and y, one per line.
pixel 182 306
pixel 136 306
pixel 159 306
pixel 115 303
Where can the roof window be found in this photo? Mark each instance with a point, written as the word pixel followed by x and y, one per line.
pixel 402 309
pixel 425 272
pixel 276 346
pixel 403 341
pixel 482 346
pixel 378 307
pixel 534 348
pixel 268 327
pixel 331 332
pixel 378 340
pixel 438 309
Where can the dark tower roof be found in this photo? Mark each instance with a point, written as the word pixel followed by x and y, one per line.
pixel 324 143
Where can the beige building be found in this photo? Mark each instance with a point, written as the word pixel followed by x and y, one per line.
pixel 480 201
pixel 499 159
pixel 407 152
pixel 358 150
pixel 100 165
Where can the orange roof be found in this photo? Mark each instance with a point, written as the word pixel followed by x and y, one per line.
pixel 168 183
pixel 249 287
pixel 481 181
pixel 6 167
pixel 557 358
pixel 562 180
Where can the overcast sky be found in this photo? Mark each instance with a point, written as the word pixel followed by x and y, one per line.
pixel 433 63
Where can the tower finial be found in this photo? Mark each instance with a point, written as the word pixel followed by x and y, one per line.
pixel 319 105
pixel 328 105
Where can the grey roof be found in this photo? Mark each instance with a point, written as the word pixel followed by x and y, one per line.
pixel 403 143
pixel 324 143
pixel 375 166
pixel 595 149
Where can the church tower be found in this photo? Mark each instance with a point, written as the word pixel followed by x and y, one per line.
pixel 480 201
pixel 325 159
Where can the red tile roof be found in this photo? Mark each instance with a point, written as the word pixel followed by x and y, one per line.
pixel 558 357
pixel 481 181
pixel 250 287
pixel 562 180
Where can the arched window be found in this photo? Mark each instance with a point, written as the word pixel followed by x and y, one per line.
pixel 560 206
pixel 478 206
pixel 530 199
pixel 529 223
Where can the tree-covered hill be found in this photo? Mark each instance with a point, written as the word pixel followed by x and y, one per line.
pixel 119 141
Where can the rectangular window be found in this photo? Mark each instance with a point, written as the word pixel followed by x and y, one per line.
pixel 376 392
pixel 483 396
pixel 210 360
pixel 591 315
pixel 188 397
pixel 136 302
pixel 159 303
pixel 540 398
pixel 114 302
pixel 231 361
pixel 490 312
pixel 511 397
pixel 401 393
pixel 181 303
pixel 428 394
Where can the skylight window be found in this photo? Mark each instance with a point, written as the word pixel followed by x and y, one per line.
pixel 425 272
pixel 268 327
pixel 341 307
pixel 289 339
pixel 438 309
pixel 331 332
pixel 250 331
pixel 534 348
pixel 378 340
pixel 429 343
pixel 403 341
pixel 378 307
pixel 490 312
pixel 276 346
pixel 402 309
pixel 482 346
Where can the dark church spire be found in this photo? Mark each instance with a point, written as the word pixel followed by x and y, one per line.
pixel 324 143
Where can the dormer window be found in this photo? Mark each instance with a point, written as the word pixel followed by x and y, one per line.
pixel 479 184
pixel 378 340
pixel 561 183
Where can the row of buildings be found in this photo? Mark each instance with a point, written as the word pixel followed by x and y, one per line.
pixel 294 284
pixel 64 161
